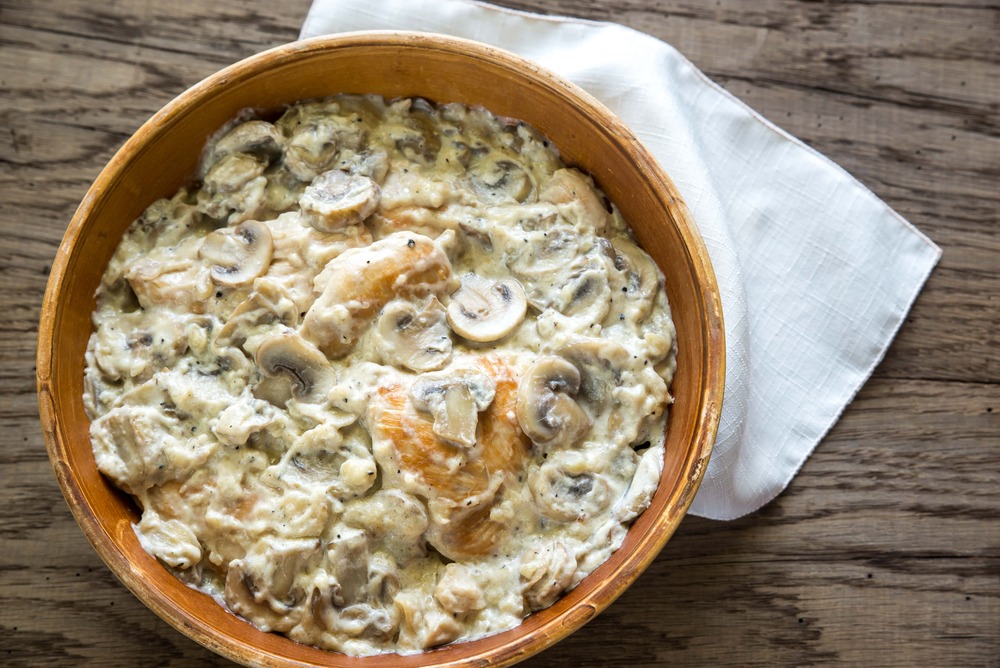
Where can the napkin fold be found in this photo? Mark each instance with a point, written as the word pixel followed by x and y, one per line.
pixel 816 273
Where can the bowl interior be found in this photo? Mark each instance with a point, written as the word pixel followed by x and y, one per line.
pixel 164 153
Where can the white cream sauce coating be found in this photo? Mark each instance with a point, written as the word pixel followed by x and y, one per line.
pixel 389 377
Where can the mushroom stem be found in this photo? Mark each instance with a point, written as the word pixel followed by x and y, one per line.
pixel 454 401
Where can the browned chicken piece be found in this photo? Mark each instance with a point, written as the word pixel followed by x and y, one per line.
pixel 361 281
pixel 461 484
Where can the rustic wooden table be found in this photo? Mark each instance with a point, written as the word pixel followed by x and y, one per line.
pixel 885 550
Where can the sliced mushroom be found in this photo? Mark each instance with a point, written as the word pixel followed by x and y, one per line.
pixel 577 199
pixel 233 171
pixel 238 254
pixel 294 367
pixel 241 594
pixel 564 489
pixel 354 592
pixel 416 339
pixel 455 400
pixel 261 586
pixel 316 142
pixel 347 556
pixel 372 162
pixel 256 137
pixel 484 310
pixel 645 480
pixel 642 277
pixel 546 571
pixel 501 180
pixel 336 199
pixel 585 299
pixel 542 255
pixel 331 458
pixel 269 303
pixel 383 579
pixel 417 138
pixel 546 408
pixel 600 362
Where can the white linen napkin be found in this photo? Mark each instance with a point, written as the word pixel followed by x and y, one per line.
pixel 816 273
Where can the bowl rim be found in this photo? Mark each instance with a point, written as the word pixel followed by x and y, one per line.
pixel 708 413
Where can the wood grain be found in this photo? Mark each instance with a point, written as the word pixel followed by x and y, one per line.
pixel 885 549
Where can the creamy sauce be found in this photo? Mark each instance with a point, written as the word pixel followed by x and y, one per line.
pixel 389 377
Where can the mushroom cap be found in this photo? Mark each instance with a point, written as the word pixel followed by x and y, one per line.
pixel 416 339
pixel 546 408
pixel 500 180
pixel 564 489
pixel 297 364
pixel 238 254
pixel 336 199
pixel 585 299
pixel 484 310
pixel 577 199
pixel 257 137
pixel 233 171
pixel 643 277
pixel 600 363
pixel 315 140
pixel 542 255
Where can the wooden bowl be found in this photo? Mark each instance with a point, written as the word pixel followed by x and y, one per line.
pixel 163 154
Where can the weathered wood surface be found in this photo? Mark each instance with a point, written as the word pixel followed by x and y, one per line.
pixel 885 550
